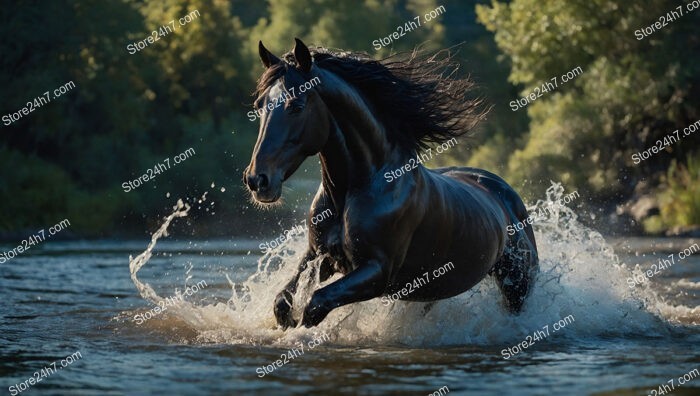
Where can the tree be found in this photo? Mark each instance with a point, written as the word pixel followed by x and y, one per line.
pixel 631 92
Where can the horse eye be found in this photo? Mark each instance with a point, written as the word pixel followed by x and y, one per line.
pixel 295 109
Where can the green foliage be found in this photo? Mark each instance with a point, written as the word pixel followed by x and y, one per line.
pixel 128 112
pixel 344 24
pixel 631 92
pixel 679 197
pixel 33 183
pixel 52 195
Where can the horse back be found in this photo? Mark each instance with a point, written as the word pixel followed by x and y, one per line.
pixel 491 182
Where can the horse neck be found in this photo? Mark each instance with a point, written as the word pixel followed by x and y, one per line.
pixel 357 146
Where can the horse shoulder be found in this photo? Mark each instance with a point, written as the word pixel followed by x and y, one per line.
pixel 324 223
pixel 380 222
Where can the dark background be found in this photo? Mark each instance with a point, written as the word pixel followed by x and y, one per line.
pixel 128 112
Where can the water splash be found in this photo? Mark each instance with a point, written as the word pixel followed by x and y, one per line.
pixel 580 276
pixel 145 290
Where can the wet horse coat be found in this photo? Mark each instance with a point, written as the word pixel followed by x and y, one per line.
pixel 383 234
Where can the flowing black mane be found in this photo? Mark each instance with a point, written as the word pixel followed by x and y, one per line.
pixel 414 95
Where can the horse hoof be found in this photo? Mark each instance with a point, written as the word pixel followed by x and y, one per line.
pixel 291 323
pixel 316 311
pixel 283 310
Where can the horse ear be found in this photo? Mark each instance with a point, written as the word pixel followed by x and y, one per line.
pixel 302 55
pixel 267 58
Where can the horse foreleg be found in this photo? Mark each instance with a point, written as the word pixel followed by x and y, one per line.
pixel 284 300
pixel 365 282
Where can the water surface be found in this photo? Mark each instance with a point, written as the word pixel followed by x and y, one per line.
pixel 63 297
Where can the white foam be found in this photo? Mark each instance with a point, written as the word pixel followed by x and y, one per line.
pixel 580 276
pixel 688 284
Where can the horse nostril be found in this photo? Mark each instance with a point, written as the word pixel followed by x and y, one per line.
pixel 257 182
pixel 262 181
pixel 250 182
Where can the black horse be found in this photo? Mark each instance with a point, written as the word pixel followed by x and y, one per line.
pixel 365 118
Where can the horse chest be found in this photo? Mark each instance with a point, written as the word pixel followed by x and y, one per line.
pixel 331 243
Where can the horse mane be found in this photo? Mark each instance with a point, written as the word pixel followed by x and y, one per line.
pixel 414 95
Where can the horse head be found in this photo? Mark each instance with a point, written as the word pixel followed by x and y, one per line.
pixel 294 121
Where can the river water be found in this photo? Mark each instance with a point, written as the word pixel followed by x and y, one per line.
pixel 588 327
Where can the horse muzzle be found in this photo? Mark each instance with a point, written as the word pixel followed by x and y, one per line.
pixel 265 189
